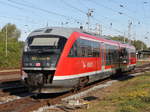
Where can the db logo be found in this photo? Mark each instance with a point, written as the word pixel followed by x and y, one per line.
pixel 87 65
pixel 38 64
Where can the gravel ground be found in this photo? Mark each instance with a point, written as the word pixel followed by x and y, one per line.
pixel 81 100
pixel 8 98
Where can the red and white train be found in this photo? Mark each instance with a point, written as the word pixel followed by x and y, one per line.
pixel 59 59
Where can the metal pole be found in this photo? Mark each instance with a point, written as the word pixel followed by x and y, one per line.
pixel 89 14
pixel 124 37
pixel 6 46
pixel 88 22
pixel 129 32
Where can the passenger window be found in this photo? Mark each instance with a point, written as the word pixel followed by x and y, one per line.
pixel 85 48
pixel 73 50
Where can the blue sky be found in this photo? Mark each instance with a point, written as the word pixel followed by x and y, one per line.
pixel 33 14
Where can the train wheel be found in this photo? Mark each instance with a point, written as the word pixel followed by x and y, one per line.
pixel 83 81
pixel 117 74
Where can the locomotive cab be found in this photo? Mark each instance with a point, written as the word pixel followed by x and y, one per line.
pixel 124 58
pixel 40 56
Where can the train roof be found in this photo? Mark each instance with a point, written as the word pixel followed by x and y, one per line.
pixel 65 32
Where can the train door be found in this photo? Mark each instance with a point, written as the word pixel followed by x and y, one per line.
pixel 103 57
pixel 129 56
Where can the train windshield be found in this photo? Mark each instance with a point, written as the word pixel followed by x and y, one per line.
pixel 43 51
pixel 43 41
pixel 48 42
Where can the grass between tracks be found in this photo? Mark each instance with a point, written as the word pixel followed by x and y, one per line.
pixel 132 95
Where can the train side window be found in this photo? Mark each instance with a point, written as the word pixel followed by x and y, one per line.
pixel 85 48
pixel 107 54
pixel 96 49
pixel 89 49
pixel 76 50
pixel 73 50
pixel 132 53
pixel 79 51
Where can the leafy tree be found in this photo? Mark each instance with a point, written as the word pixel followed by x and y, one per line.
pixel 137 43
pixel 120 38
pixel 12 31
pixel 12 60
pixel 148 48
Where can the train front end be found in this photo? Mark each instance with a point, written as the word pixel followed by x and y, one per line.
pixel 39 60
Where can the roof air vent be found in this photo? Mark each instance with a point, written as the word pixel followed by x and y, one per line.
pixel 48 30
pixel 38 30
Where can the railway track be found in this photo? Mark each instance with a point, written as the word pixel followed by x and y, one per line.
pixel 141 68
pixel 12 90
pixel 9 75
pixel 32 102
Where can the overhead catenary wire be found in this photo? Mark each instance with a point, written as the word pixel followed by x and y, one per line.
pixel 29 5
pixel 17 17
pixel 46 11
pixel 113 10
pixel 41 9
pixel 23 6
pixel 71 6
pixel 14 6
pixel 122 6
pixel 104 17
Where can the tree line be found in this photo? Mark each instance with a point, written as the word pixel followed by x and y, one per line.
pixel 10 46
pixel 139 45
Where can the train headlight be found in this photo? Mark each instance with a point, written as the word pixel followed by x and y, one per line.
pixel 26 47
pixel 24 75
pixel 26 64
pixel 47 64
pixel 52 65
pixel 30 64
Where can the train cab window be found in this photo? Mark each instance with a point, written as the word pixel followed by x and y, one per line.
pixel 45 49
pixel 85 48
pixel 132 53
pixel 46 42
pixel 112 56
pixel 124 55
